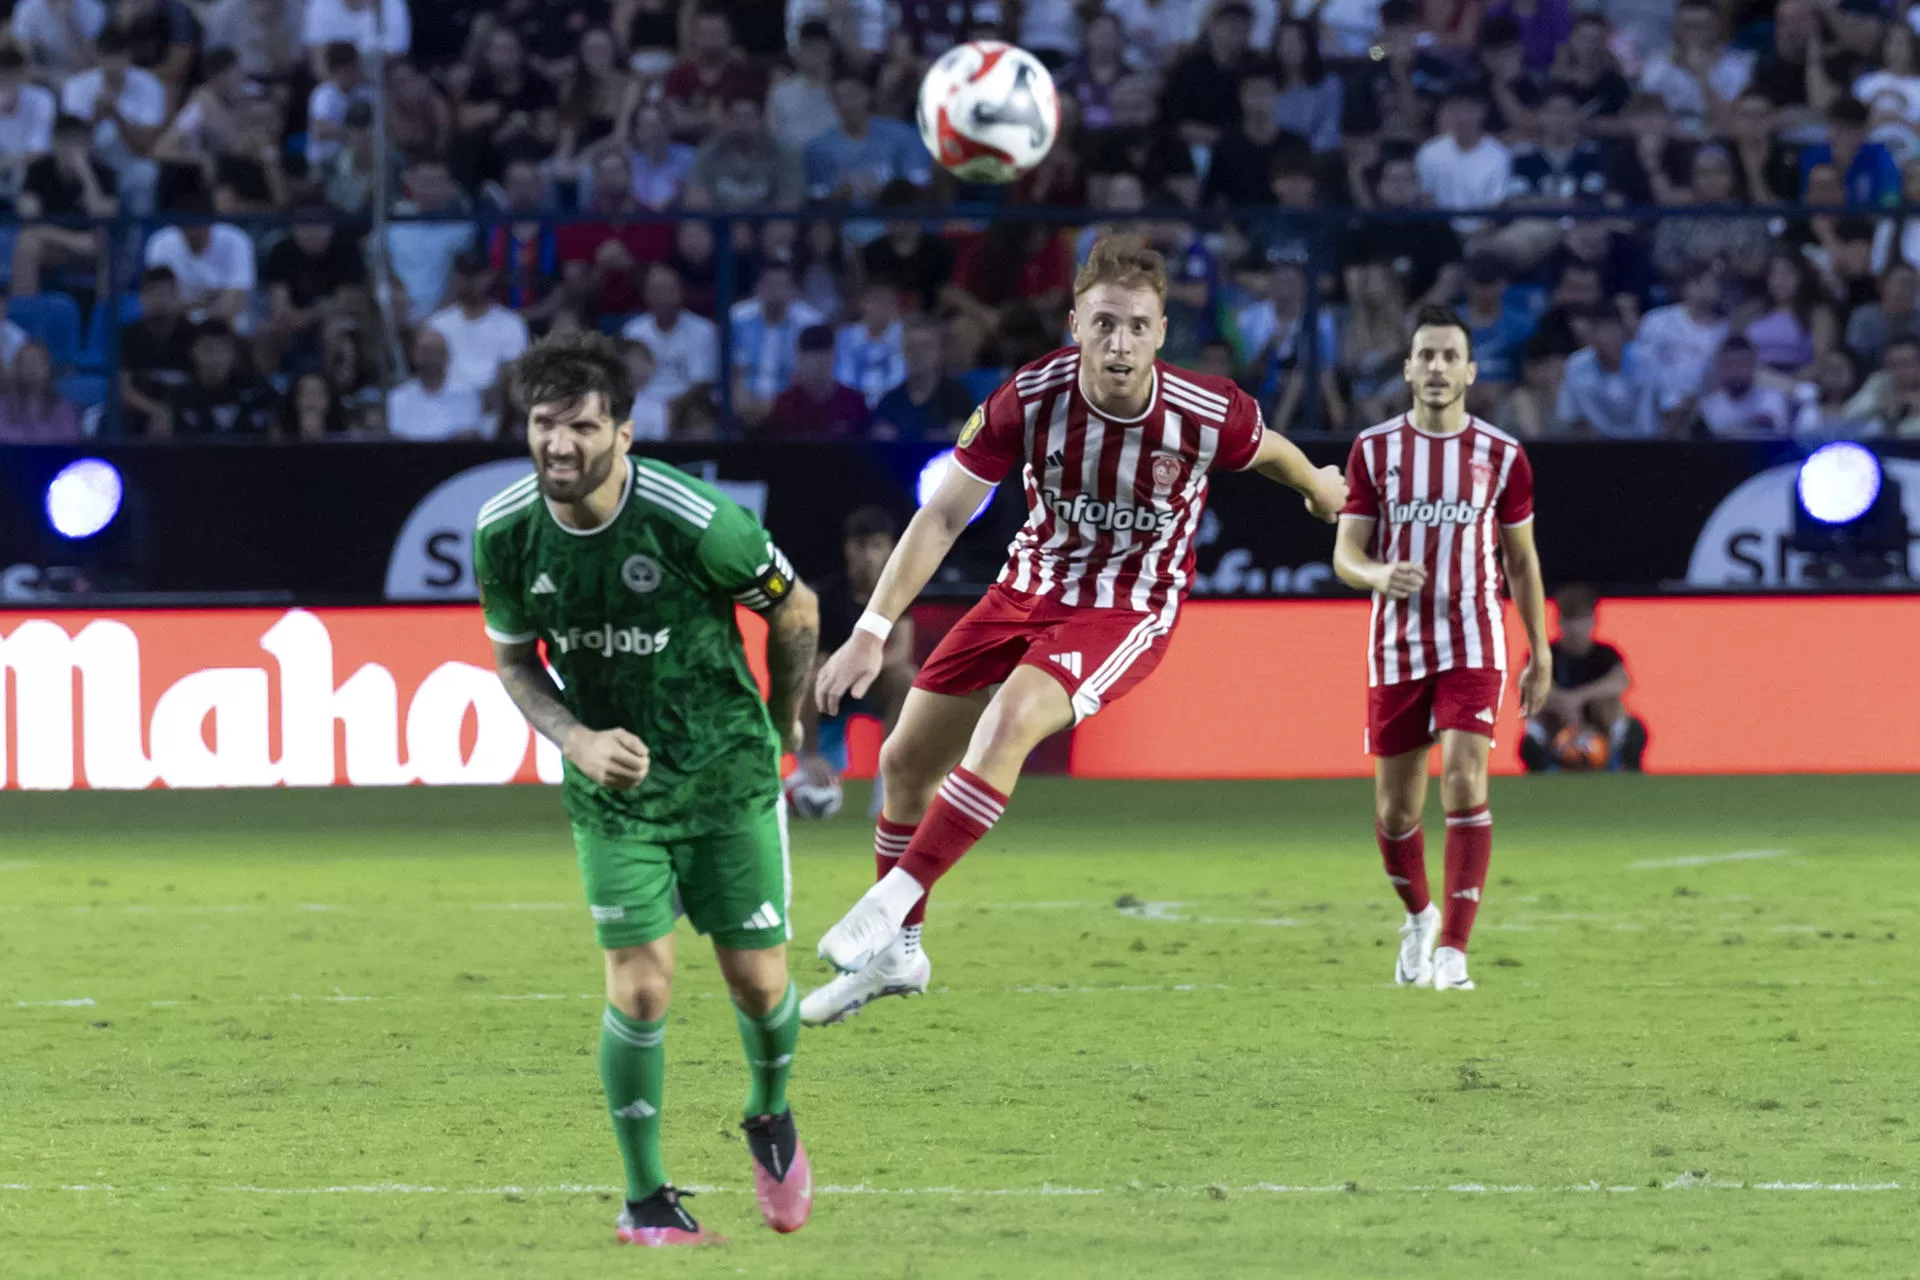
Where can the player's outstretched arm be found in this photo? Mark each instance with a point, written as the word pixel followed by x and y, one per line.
pixel 1280 460
pixel 1355 565
pixel 1530 598
pixel 793 640
pixel 613 758
pixel 929 536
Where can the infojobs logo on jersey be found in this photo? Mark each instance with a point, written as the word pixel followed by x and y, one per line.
pixel 1114 516
pixel 607 639
pixel 1433 512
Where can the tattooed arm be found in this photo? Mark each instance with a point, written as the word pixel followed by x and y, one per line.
pixel 793 638
pixel 614 758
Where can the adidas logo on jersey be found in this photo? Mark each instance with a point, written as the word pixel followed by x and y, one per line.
pixel 605 639
pixel 542 586
pixel 1070 662
pixel 1115 516
pixel 1057 460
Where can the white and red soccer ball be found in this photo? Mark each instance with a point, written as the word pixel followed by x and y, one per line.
pixel 988 112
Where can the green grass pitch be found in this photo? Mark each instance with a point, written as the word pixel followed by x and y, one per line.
pixel 352 1034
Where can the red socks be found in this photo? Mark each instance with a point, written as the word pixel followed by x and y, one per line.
pixel 890 840
pixel 1469 848
pixel 1406 858
pixel 963 810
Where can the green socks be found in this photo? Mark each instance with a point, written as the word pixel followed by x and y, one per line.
pixel 633 1067
pixel 769 1043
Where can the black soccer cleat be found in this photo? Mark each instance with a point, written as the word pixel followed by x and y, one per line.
pixel 782 1174
pixel 661 1220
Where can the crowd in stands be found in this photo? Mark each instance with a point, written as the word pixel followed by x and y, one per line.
pixel 1361 145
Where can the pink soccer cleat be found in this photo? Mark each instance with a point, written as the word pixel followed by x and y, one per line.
pixel 661 1220
pixel 782 1175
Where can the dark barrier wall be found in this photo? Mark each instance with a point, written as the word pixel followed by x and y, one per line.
pixel 366 523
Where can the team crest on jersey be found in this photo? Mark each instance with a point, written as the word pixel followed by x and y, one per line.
pixel 972 429
pixel 641 574
pixel 1482 471
pixel 1165 471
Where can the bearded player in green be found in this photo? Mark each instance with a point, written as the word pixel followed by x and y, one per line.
pixel 629 571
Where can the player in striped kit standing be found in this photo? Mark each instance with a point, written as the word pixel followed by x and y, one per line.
pixel 1437 501
pixel 1115 448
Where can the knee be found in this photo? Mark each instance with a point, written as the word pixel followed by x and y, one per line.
pixel 1463 784
pixel 906 768
pixel 758 995
pixel 638 989
pixel 1396 815
pixel 1018 719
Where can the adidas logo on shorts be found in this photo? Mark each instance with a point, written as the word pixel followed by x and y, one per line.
pixel 765 918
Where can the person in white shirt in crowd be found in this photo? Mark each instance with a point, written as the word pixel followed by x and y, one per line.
pixel 327 105
pixel 1158 29
pixel 686 347
pixel 26 119
pixel 357 23
pixel 57 35
pixel 482 336
pixel 1608 388
pixel 1739 405
pixel 869 354
pixel 851 24
pixel 431 405
pixel 1701 75
pixel 127 107
pixel 422 253
pixel 800 106
pixel 650 408
pixel 1349 28
pixel 766 336
pixel 265 35
pixel 1050 30
pixel 660 165
pixel 1463 167
pixel 212 262
pixel 1682 339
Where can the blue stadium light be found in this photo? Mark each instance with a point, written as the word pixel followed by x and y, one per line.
pixel 934 473
pixel 1839 482
pixel 84 498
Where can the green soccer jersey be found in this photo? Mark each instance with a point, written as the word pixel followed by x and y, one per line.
pixel 637 617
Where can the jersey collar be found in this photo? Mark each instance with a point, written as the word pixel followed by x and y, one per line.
pixel 625 493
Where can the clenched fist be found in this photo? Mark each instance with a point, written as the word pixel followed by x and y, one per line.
pixel 613 758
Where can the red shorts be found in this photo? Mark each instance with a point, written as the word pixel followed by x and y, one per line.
pixel 1407 716
pixel 1096 654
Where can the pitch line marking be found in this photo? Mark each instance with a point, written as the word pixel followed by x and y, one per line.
pixel 1705 859
pixel 1684 1182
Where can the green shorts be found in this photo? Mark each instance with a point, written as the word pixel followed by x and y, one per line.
pixel 734 886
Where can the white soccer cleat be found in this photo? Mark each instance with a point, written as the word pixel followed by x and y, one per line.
pixel 1414 968
pixel 890 974
pixel 862 934
pixel 1450 970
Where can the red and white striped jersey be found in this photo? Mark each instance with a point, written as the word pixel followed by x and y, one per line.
pixel 1112 504
pixel 1435 500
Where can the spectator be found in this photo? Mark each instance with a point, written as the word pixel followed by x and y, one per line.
pixel 858 27
pixel 660 165
pixel 1781 72
pixel 896 83
pixel 355 22
pixel 1562 168
pixel 162 36
pixel 1848 264
pixel 1136 143
pixel 917 265
pixel 26 118
pixel 1609 388
pixel 32 410
pixel 507 112
pixel 1157 29
pixel 685 346
pixel 127 107
pixel 1050 30
pixel 1311 99
pixel 221 396
pixel 482 336
pixel 600 259
pixel 1619 261
pixel 1240 172
pixel 1528 411
pixel 57 36
pixel 154 355
pixel 1894 87
pixel 1586 62
pixel 419 117
pixel 1589 681
pixel 822 266
pixel 713 74
pixel 868 353
pixel 1896 238
pixel 348 181
pixel 528 255
pixel 1888 403
pixel 927 405
pixel 211 261
pixel 422 252
pixel 1738 405
pixel 766 339
pixel 1425 252
pixel 1012 261
pixel 1736 240
pixel 1540 28
pixel 816 407
pixel 1650 164
pixel 1682 339
pixel 800 105
pixel 330 100
pixel 862 153
pixel 213 113
pixel 1700 76
pixel 67 184
pixel 347 364
pixel 1798 325
pixel 1373 344
pixel 432 405
pixel 310 412
pixel 1276 330
pixel 1866 168
pixel 599 94
pixel 650 409
pixel 1202 95
pixel 1824 402
pixel 741 167
pixel 264 36
pixel 695 262
pixel 1767 170
pixel 1462 167
pixel 1896 314
pixel 1091 78
pixel 1500 330
pixel 310 274
pixel 932 27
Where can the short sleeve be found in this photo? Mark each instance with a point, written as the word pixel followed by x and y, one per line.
pixel 1515 504
pixel 994 439
pixel 500 604
pixel 738 558
pixel 1240 436
pixel 1363 501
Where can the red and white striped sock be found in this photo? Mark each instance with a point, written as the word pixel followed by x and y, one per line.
pixel 1469 849
pixel 963 810
pixel 890 840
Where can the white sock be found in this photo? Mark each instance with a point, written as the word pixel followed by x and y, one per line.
pixel 896 892
pixel 910 942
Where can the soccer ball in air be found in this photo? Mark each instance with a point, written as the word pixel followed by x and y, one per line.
pixel 809 799
pixel 988 111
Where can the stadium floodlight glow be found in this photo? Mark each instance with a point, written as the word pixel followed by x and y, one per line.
pixel 931 477
pixel 84 498
pixel 1838 484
